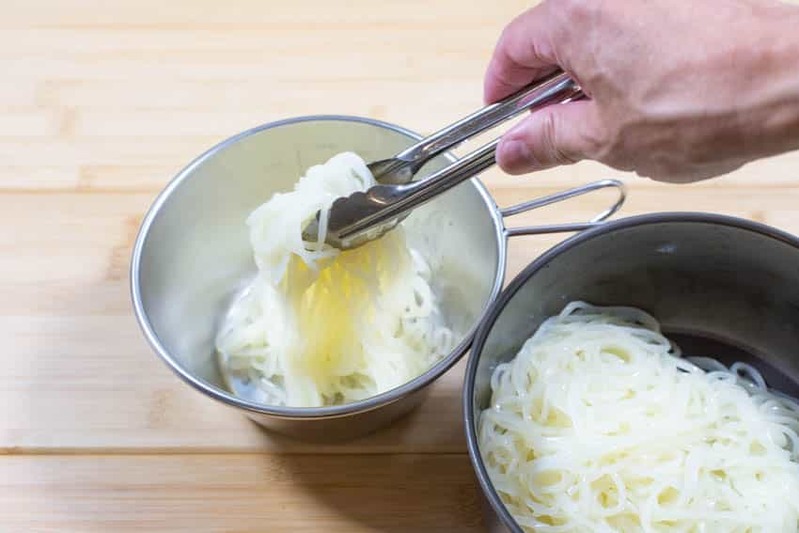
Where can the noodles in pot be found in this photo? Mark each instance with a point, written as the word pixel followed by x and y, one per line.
pixel 319 326
pixel 598 424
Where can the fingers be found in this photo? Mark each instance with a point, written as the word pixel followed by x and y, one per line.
pixel 556 135
pixel 524 53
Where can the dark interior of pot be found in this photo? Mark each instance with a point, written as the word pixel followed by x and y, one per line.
pixel 721 287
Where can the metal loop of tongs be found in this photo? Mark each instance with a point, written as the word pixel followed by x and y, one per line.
pixel 363 216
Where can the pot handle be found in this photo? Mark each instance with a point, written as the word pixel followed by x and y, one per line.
pixel 559 197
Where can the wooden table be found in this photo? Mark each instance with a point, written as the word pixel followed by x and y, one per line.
pixel 100 104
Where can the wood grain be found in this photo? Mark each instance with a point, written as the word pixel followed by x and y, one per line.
pixel 100 104
pixel 238 493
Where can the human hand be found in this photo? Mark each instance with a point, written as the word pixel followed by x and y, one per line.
pixel 679 91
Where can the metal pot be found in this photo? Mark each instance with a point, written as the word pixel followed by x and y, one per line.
pixel 192 255
pixel 721 287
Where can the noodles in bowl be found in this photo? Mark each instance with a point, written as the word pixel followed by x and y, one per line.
pixel 318 326
pixel 598 424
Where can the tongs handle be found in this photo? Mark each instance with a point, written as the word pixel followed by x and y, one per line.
pixel 558 86
pixel 396 200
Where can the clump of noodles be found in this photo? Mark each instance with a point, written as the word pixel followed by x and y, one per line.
pixel 599 425
pixel 319 326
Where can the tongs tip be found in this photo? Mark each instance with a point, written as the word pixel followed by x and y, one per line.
pixel 345 217
pixel 393 171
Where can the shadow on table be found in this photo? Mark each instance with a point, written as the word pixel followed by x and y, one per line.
pixel 381 484
pixel 389 492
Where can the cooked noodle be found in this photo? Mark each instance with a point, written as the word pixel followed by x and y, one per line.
pixel 599 425
pixel 319 326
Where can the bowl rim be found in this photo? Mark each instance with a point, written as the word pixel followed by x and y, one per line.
pixel 490 318
pixel 305 413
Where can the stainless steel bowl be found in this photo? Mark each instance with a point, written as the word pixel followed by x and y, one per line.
pixel 721 287
pixel 192 255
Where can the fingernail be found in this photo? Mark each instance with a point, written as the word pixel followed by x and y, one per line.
pixel 515 157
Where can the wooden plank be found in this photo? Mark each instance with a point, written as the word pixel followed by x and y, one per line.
pixel 348 493
pixel 351 14
pixel 118 162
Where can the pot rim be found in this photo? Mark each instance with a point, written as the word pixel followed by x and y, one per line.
pixel 499 304
pixel 306 413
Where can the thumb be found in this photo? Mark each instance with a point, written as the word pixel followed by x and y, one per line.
pixel 559 134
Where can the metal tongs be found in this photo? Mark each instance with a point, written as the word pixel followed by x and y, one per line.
pixel 363 216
